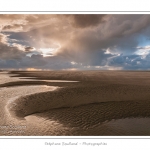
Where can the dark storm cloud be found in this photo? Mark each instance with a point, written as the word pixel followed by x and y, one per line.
pixel 12 27
pixel 9 52
pixel 15 57
pixel 78 41
pixel 28 49
pixel 83 21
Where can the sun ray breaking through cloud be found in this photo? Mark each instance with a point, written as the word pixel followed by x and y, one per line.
pixel 75 41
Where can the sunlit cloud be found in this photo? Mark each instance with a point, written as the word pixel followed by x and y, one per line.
pixel 33 69
pixel 47 51
pixel 143 51
pixel 79 42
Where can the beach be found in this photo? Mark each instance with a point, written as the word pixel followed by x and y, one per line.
pixel 74 103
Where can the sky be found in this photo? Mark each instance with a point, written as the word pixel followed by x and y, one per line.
pixel 75 41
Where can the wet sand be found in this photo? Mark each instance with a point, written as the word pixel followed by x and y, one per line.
pixel 75 102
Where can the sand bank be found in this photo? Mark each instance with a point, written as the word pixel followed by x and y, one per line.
pixel 92 106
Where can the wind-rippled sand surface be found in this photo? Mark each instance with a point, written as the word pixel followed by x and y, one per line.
pixel 75 103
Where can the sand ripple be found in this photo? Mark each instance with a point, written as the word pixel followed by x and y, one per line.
pixel 81 109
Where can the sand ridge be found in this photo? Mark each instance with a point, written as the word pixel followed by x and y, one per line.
pixel 84 107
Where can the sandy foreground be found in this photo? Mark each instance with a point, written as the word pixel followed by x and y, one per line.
pixel 75 103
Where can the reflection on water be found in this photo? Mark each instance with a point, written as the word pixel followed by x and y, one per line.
pixel 35 79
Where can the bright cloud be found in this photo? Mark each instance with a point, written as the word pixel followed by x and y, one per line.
pixel 84 42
